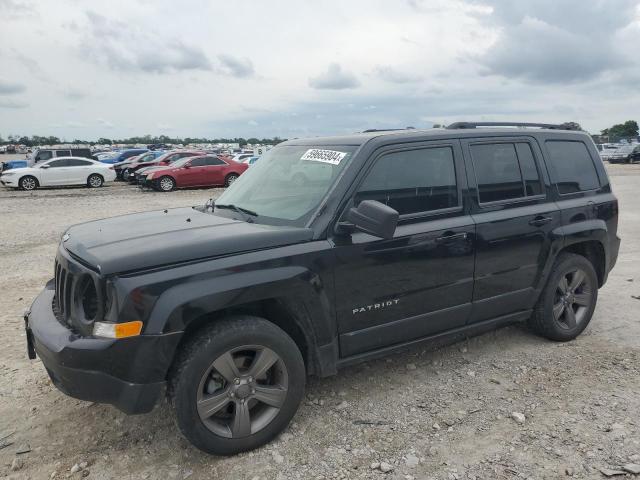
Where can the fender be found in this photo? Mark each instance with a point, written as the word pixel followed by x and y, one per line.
pixel 300 280
pixel 566 235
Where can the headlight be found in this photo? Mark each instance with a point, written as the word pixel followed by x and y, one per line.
pixel 8 174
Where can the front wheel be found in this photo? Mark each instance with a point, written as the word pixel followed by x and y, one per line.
pixel 95 181
pixel 567 303
pixel 166 184
pixel 28 183
pixel 237 385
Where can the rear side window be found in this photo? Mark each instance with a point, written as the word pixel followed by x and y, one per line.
pixel 505 171
pixel 198 162
pixel 214 161
pixel 572 165
pixel 63 153
pixel 413 181
pixel 73 162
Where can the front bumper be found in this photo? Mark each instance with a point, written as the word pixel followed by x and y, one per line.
pixel 9 181
pixel 128 373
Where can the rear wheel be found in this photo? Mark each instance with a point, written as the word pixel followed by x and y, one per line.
pixel 236 385
pixel 125 174
pixel 567 303
pixel 28 183
pixel 232 177
pixel 166 184
pixel 95 181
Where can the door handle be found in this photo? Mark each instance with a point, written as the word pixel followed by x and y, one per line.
pixel 540 221
pixel 452 237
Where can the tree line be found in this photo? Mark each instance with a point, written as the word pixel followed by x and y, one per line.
pixel 37 140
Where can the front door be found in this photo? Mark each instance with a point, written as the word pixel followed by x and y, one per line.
pixel 420 282
pixel 515 214
pixel 56 173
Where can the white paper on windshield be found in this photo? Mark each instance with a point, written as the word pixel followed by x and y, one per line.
pixel 331 157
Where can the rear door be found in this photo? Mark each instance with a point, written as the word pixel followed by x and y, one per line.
pixel 79 170
pixel 515 214
pixel 215 171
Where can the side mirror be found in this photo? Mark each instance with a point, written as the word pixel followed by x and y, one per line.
pixel 45 166
pixel 374 218
pixel 187 165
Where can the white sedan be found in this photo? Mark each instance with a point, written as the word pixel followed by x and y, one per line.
pixel 59 172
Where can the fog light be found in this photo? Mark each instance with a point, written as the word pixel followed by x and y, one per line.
pixel 117 330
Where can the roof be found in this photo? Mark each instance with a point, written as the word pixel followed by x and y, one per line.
pixel 358 139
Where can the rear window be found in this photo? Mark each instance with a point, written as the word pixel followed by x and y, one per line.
pixel 505 171
pixel 572 166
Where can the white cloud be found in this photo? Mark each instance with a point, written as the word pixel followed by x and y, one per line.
pixel 134 67
pixel 334 78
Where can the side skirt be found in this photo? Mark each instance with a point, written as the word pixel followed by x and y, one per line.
pixel 441 339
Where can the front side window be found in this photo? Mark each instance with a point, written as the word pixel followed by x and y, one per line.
pixel 57 163
pixel 198 162
pixel 505 171
pixel 412 181
pixel 572 165
pixel 288 183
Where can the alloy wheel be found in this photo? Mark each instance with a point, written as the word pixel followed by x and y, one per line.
pixel 28 183
pixel 573 297
pixel 230 179
pixel 95 181
pixel 242 391
pixel 166 184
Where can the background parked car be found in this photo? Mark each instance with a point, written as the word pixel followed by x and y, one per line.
pixel 44 154
pixel 250 161
pixel 122 168
pixel 624 154
pixel 163 160
pixel 59 172
pixel 124 155
pixel 201 171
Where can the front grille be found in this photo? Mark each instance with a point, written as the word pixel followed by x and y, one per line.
pixel 63 294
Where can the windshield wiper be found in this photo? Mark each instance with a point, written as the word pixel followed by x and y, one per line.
pixel 235 208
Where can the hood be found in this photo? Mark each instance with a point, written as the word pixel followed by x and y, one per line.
pixel 163 237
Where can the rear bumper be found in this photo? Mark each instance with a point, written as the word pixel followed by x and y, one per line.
pixel 128 373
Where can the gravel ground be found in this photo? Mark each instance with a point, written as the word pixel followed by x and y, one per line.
pixel 503 405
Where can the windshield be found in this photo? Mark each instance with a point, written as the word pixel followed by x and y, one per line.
pixel 288 183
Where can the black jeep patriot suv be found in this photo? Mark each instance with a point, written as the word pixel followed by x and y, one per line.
pixel 327 252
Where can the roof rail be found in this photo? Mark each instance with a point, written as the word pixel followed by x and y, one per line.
pixel 370 130
pixel 550 126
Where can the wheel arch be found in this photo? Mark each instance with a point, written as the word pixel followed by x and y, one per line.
pixel 29 175
pixel 589 239
pixel 291 297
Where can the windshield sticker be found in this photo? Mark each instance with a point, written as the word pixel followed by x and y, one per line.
pixel 331 157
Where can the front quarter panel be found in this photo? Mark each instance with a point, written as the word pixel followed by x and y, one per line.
pixel 168 300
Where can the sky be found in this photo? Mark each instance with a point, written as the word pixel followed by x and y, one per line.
pixel 119 68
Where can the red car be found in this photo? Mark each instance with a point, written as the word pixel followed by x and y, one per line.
pixel 166 159
pixel 200 171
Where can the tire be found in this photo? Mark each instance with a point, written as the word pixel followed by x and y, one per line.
pixel 28 183
pixel 166 184
pixel 95 181
pixel 552 316
pixel 124 175
pixel 194 378
pixel 232 177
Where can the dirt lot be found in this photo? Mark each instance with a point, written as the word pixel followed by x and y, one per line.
pixel 443 415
